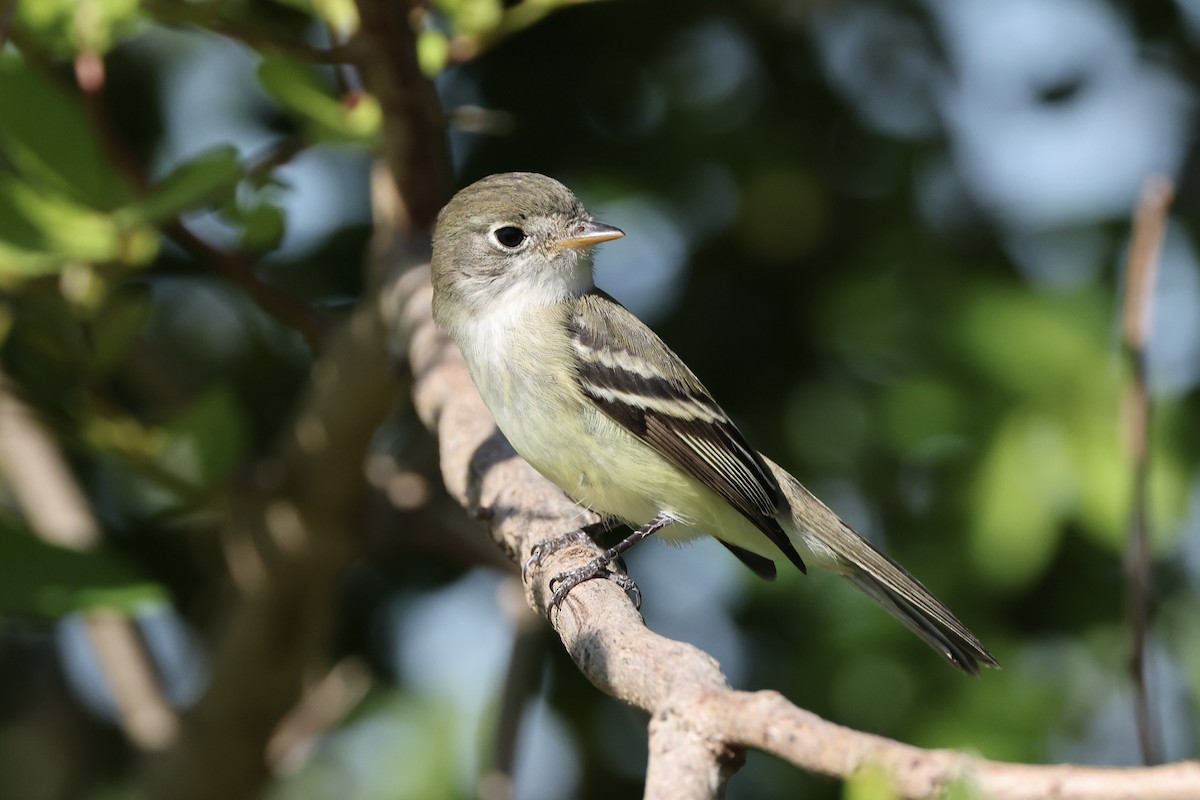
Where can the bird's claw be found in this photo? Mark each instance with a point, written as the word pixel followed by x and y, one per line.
pixel 562 584
pixel 597 568
pixel 548 546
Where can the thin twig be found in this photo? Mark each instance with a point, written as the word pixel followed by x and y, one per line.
pixel 326 702
pixel 1136 321
pixel 233 267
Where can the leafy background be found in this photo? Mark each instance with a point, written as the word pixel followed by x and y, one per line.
pixel 888 236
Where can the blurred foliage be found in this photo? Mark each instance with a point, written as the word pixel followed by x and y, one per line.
pixel 39 579
pixel 810 226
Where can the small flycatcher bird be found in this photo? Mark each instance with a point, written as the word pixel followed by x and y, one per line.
pixel 598 404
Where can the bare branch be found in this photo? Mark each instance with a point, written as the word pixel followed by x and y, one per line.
pixel 146 716
pixel 1136 318
pixel 699 725
pixel 325 703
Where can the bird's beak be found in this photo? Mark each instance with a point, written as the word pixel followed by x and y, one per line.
pixel 588 234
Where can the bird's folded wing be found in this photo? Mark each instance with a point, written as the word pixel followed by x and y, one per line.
pixel 627 371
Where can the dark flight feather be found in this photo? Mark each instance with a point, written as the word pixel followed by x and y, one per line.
pixel 668 408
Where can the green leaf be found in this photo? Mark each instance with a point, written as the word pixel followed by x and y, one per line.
pixel 1054 348
pixel 262 224
pixel 206 441
pixel 40 579
pixel 66 27
pixel 202 180
pixel 870 783
pixel 47 138
pixel 43 231
pixel 473 16
pixel 297 87
pixel 433 51
pixel 1025 488
pixel 17 264
pixel 116 327
pixel 921 417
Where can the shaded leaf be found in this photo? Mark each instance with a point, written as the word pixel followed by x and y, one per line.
pixel 201 180
pixel 64 28
pixel 116 327
pixel 1025 488
pixel 42 231
pixel 40 579
pixel 47 138
pixel 262 224
pixel 206 440
pixel 297 87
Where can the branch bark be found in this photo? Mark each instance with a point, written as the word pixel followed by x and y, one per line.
pixel 699 725
pixel 1149 227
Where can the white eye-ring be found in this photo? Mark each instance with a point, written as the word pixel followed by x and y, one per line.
pixel 509 237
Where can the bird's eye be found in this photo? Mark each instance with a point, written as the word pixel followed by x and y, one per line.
pixel 509 236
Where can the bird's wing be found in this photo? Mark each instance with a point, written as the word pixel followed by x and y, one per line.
pixel 655 396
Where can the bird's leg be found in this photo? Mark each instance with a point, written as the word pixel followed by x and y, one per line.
pixel 584 535
pixel 598 567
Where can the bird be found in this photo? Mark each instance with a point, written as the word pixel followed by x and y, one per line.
pixel 596 402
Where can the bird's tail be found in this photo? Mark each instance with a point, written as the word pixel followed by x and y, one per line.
pixel 833 545
pixel 941 631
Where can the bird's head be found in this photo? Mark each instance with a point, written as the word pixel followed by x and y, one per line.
pixel 509 238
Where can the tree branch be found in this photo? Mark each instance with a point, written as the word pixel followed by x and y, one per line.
pixel 1136 316
pixel 698 724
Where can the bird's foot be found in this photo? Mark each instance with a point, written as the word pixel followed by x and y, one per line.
pixel 596 568
pixel 544 548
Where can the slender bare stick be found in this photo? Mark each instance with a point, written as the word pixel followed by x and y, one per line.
pixel 1136 321
pixel 325 703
